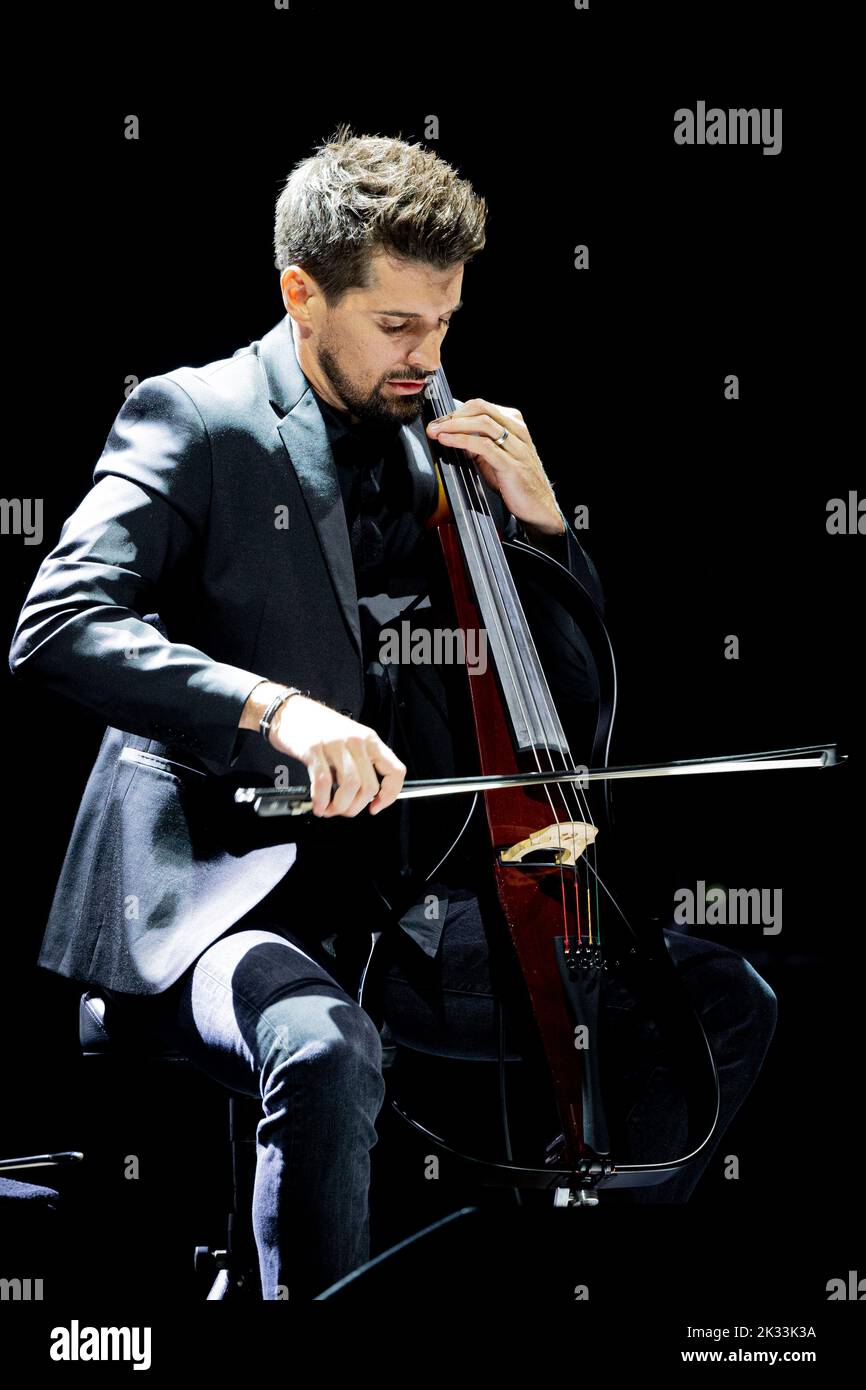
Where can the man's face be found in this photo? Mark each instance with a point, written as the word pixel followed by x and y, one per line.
pixel 392 332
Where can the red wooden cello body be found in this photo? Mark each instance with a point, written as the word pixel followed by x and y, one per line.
pixel 569 934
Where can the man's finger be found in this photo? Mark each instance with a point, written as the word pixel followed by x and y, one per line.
pixel 394 773
pixel 321 782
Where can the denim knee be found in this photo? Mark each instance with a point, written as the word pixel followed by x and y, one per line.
pixel 724 986
pixel 338 1057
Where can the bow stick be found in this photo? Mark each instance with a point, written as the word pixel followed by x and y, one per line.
pixel 295 801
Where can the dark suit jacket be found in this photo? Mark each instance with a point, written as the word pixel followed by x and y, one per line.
pixel 210 552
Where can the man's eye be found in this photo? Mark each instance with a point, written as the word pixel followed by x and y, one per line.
pixel 403 326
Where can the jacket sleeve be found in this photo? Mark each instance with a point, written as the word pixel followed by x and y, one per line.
pixel 81 632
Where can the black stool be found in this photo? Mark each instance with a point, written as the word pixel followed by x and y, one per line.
pixel 232 1272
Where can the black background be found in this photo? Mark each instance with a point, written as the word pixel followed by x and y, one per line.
pixel 706 516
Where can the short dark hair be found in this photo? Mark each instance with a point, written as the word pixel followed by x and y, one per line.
pixel 362 193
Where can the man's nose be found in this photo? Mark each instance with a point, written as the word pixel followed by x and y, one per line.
pixel 424 359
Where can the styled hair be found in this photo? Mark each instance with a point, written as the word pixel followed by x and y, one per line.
pixel 359 194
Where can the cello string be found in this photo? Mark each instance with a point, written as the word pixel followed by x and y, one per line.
pixel 573 790
pixel 472 532
pixel 590 855
pixel 469 480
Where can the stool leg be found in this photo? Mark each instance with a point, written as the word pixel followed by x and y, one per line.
pixel 235 1269
pixel 243 1256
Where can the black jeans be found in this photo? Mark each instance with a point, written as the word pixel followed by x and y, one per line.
pixel 263 1011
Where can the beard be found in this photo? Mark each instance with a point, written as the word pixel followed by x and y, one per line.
pixel 373 406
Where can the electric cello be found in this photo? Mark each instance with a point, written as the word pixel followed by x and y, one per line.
pixel 549 689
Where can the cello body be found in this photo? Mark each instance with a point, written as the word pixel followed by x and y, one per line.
pixel 571 970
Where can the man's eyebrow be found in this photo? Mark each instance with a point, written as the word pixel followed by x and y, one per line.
pixel 409 314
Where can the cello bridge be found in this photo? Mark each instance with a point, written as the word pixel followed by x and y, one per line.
pixel 552 846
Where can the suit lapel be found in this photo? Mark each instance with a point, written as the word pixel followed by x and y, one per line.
pixel 303 432
pixel 305 436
